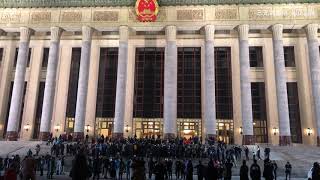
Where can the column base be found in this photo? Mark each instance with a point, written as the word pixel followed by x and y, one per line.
pixel 44 136
pixel 248 140
pixel 169 136
pixel 117 135
pixel 12 136
pixel 284 140
pixel 318 141
pixel 78 136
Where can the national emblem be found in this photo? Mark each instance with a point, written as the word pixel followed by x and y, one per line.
pixel 147 10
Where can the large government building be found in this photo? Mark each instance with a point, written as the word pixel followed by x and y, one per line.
pixel 241 71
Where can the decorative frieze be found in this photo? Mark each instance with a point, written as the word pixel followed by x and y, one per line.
pixel 190 15
pixel 107 16
pixel 226 14
pixel 70 16
pixel 260 13
pixel 40 17
pixel 10 17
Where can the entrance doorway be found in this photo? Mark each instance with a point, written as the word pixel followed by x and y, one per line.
pixel 225 131
pixel 148 127
pixel 105 128
pixel 188 128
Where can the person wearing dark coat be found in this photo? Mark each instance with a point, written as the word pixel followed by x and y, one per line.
pixel 159 170
pixel 268 170
pixel 80 169
pixel 189 170
pixel 212 171
pixel 316 171
pixel 200 170
pixel 228 173
pixel 244 171
pixel 255 172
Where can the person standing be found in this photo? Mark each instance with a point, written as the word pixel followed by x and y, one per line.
pixel 275 167
pixel 189 170
pixel 246 151
pixel 268 170
pixel 288 169
pixel 258 152
pixel 255 172
pixel 316 171
pixel 200 170
pixel 80 168
pixel 228 173
pixel 150 167
pixel 128 168
pixel 244 171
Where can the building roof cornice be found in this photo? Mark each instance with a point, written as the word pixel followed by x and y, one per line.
pixel 97 3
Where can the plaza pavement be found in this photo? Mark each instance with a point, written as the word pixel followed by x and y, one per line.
pixel 301 157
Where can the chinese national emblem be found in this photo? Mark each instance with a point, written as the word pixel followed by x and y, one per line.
pixel 147 10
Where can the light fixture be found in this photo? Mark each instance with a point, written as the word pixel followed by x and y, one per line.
pixel 87 128
pixel 309 131
pixel 275 131
pixel 127 128
pixel 57 127
pixel 26 127
pixel 254 123
pixel 240 130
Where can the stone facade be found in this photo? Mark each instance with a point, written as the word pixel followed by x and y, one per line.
pixel 239 26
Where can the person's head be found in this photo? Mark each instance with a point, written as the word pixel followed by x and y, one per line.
pixel 244 162
pixel 316 164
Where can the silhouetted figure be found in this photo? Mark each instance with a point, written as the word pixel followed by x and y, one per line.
pixel 80 170
pixel 244 171
pixel 255 172
pixel 288 168
pixel 200 170
pixel 316 171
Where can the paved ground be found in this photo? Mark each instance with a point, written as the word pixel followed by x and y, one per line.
pixel 300 156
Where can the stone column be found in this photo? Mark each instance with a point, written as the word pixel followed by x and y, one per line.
pixel 170 84
pixel 246 99
pixel 314 62
pixel 17 92
pixel 209 86
pixel 281 86
pixel 50 84
pixel 121 82
pixel 83 83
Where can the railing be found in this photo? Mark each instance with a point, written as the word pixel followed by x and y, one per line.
pixel 90 3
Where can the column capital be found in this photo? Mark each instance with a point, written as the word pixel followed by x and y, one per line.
pixel 25 34
pixel 312 31
pixel 243 31
pixel 171 33
pixel 56 33
pixel 87 32
pixel 209 32
pixel 277 31
pixel 123 33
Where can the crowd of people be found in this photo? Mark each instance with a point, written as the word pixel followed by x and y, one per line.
pixel 145 158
